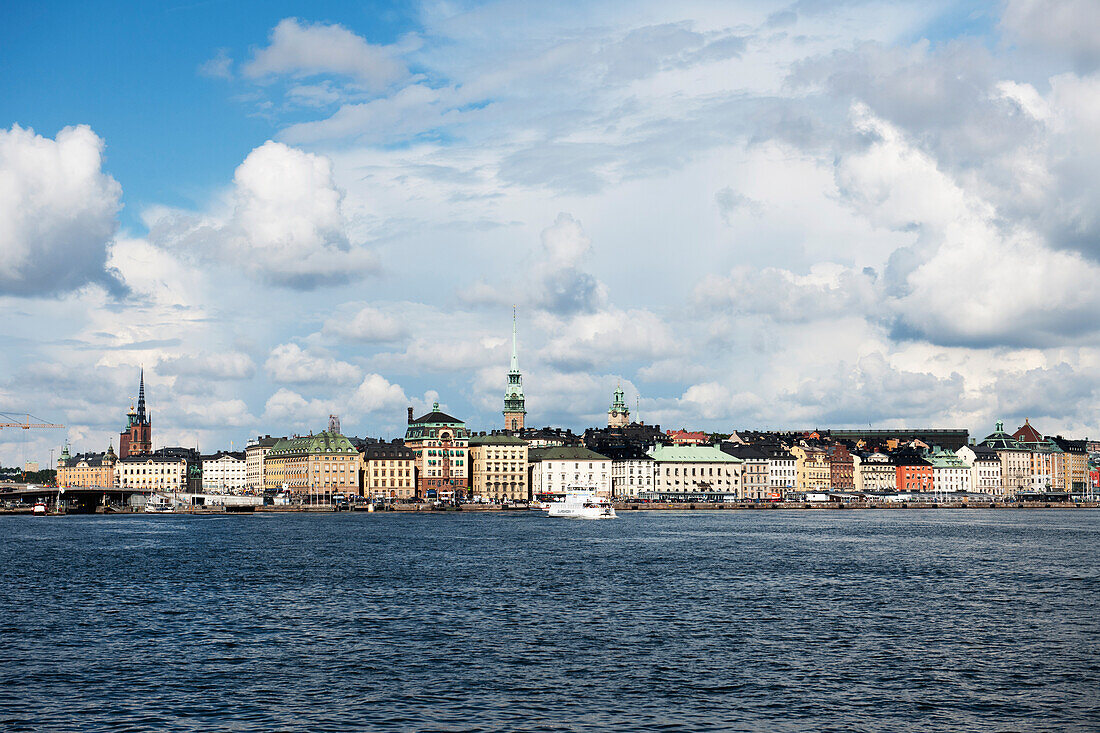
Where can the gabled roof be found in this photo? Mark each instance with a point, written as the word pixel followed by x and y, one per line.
pixel 1000 440
pixel 436 416
pixel 1027 434
pixel 323 443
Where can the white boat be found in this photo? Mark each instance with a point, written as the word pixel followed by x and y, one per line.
pixel 582 505
pixel 158 504
pixel 39 509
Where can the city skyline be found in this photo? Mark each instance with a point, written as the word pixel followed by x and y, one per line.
pixel 885 207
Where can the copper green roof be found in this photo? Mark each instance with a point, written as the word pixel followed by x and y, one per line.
pixel 323 443
pixel 691 454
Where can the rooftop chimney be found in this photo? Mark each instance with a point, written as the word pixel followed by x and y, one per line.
pixel 410 415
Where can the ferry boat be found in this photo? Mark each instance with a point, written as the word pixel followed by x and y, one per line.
pixel 39 509
pixel 581 505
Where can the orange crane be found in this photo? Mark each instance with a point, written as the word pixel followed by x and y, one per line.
pixel 27 424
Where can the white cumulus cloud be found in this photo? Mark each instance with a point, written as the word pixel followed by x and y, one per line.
pixel 57 212
pixel 288 363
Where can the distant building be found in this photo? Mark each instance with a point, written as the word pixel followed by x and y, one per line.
pixel 683 471
pixel 952 439
pixel 812 469
pixel 1047 459
pixel 254 455
pixel 618 414
pixel 164 472
pixel 913 473
pixel 555 470
pixel 137 438
pixel 841 467
pixel 782 471
pixel 440 443
pixel 31 466
pixel 325 463
pixel 1076 458
pixel 1015 461
pixel 389 470
pixel 755 469
pixel 950 473
pixel 498 467
pixel 87 470
pixel 549 437
pixel 874 473
pixel 686 437
pixel 632 470
pixel 985 469
pixel 515 407
pixel 224 471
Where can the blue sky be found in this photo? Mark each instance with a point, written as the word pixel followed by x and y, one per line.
pixel 750 214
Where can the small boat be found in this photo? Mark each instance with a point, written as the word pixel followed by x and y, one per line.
pixel 582 505
pixel 158 504
pixel 39 509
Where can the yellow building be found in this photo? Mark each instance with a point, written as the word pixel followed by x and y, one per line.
pixel 812 471
pixel 325 463
pixel 498 467
pixel 389 471
pixel 89 470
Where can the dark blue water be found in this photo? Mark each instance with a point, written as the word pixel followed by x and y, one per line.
pixel 862 620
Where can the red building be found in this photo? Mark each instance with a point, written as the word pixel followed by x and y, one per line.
pixel 137 438
pixel 684 437
pixel 914 474
pixel 841 467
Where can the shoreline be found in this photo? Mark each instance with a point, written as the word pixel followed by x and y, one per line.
pixel 619 507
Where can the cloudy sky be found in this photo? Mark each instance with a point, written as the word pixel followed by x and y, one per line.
pixel 749 214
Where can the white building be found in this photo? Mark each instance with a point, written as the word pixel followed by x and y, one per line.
pixel 782 471
pixel 151 473
pixel 631 473
pixel 555 470
pixel 949 472
pixel 254 454
pixel 682 470
pixel 985 469
pixel 224 471
pixel 874 472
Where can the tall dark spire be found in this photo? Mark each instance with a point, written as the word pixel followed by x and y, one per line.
pixel 141 398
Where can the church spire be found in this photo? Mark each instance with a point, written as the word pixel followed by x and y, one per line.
pixel 515 409
pixel 141 396
pixel 515 352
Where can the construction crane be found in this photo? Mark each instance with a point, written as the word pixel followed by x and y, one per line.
pixel 26 424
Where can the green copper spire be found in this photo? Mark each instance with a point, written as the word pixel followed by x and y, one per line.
pixel 514 403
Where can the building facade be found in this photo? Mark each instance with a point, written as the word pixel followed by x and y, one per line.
pixel 440 443
pixel 515 406
pixel 950 474
pixel 568 468
pixel 1015 460
pixel 913 474
pixel 254 455
pixel 325 463
pixel 985 469
pixel 498 468
pixel 389 471
pixel 782 472
pixel 224 471
pixel 631 470
pixel 874 473
pixel 86 470
pixel 148 472
pixel 755 470
pixel 812 469
pixel 695 470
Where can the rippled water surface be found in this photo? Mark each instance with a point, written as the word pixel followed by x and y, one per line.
pixel 902 620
